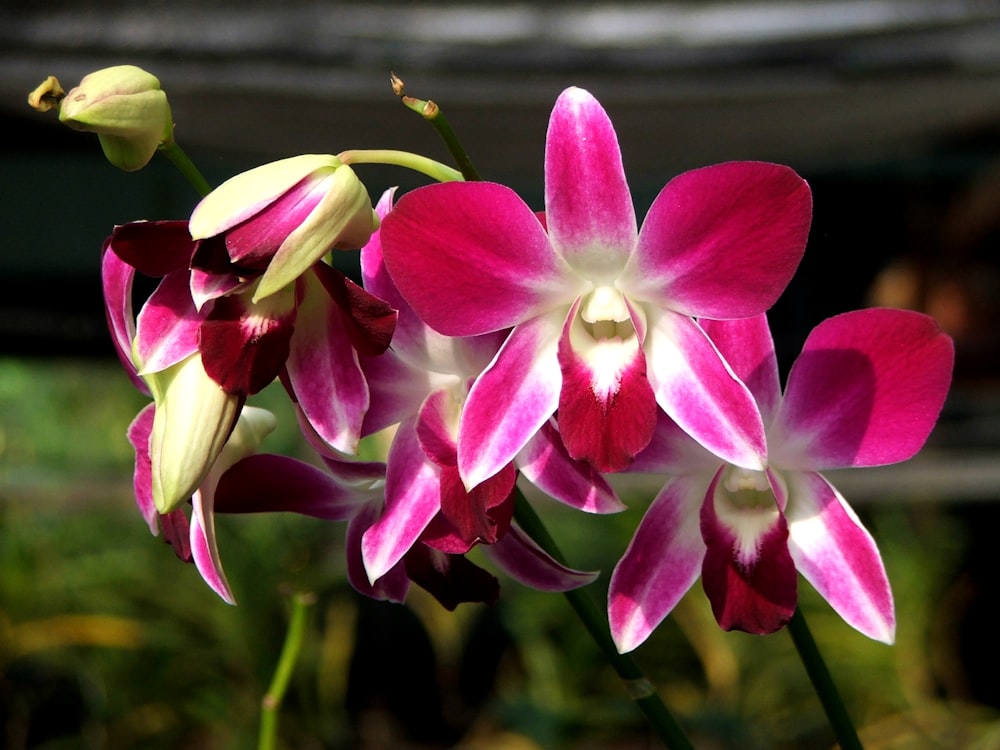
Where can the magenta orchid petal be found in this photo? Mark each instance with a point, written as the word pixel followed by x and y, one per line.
pixel 245 345
pixel 748 574
pixel 209 285
pixel 696 388
pixel 265 483
pixel 866 390
pixel 168 326
pixel 204 547
pixel 116 283
pixel 413 341
pixel 661 563
pixel 672 451
pixel 437 423
pixel 746 344
pixel 471 258
pixel 588 206
pixel 517 555
pixel 396 390
pixel 722 241
pixel 838 556
pixel 394 584
pixel 138 434
pixel 470 517
pixel 374 275
pixel 177 533
pixel 323 369
pixel 154 248
pixel 412 499
pixel 607 410
pixel 511 399
pixel 545 462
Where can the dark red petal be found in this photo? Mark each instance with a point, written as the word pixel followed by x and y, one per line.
pixel 605 429
pixel 370 320
pixel 758 596
pixel 467 518
pixel 241 350
pixel 176 533
pixel 154 248
pixel 451 579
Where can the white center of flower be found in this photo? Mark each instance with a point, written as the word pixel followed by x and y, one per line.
pixel 746 505
pixel 605 315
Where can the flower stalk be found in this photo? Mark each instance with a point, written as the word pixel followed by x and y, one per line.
pixel 639 688
pixel 826 690
pixel 185 166
pixel 433 114
pixel 271 702
pixel 433 169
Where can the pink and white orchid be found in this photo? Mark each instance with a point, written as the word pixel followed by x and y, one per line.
pixel 865 391
pixel 419 387
pixel 601 311
pixel 202 323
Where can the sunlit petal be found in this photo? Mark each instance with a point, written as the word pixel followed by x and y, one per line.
pixel 661 563
pixel 835 553
pixel 866 390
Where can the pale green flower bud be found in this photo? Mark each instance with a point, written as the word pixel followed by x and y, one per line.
pixel 127 109
pixel 192 422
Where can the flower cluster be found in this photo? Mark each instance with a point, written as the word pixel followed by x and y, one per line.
pixel 493 346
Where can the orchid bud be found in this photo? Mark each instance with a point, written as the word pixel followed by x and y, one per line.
pixel 284 216
pixel 127 109
pixel 192 422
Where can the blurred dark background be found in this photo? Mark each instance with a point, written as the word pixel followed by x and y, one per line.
pixel 889 108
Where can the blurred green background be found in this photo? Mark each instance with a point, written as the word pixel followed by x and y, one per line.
pixel 108 641
pixel 890 110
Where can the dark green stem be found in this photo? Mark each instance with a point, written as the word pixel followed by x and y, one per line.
pixel 433 114
pixel 271 701
pixel 822 682
pixel 638 686
pixel 186 167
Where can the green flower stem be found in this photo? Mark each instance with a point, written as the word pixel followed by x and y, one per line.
pixel 638 686
pixel 271 701
pixel 822 682
pixel 433 114
pixel 433 169
pixel 186 167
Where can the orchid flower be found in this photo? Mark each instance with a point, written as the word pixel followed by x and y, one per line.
pixel 601 311
pixel 201 322
pixel 419 387
pixel 865 391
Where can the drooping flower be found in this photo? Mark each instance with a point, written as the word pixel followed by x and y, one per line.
pixel 420 386
pixel 127 109
pixel 281 218
pixel 865 391
pixel 201 322
pixel 601 311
